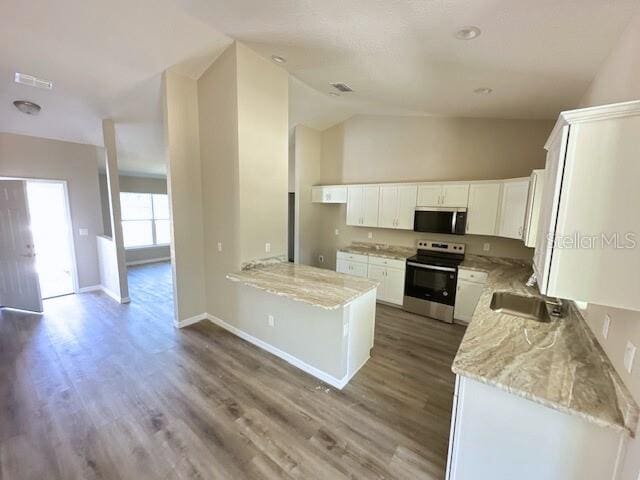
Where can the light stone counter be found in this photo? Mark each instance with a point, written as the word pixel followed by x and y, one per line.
pixel 379 250
pixel 558 364
pixel 316 286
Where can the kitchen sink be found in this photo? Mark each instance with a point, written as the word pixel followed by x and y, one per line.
pixel 520 305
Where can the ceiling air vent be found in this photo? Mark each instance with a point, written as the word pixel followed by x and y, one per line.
pixel 32 81
pixel 343 87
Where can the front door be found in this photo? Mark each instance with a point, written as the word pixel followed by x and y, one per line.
pixel 19 285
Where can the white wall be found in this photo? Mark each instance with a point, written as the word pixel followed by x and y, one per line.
pixel 33 157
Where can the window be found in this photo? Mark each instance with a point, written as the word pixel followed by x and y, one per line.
pixel 145 219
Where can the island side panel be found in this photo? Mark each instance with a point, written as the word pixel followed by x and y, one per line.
pixel 361 314
pixel 310 334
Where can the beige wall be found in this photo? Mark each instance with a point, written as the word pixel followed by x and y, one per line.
pixel 129 183
pixel 308 227
pixel 263 126
pixel 618 80
pixel 185 194
pixel 388 148
pixel 218 120
pixel 33 157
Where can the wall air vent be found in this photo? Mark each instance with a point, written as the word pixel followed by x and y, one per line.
pixel 32 81
pixel 343 87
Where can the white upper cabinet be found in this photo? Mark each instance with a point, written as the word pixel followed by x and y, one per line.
pixel 362 205
pixel 534 200
pixel 587 246
pixel 513 208
pixel 329 194
pixel 454 195
pixel 397 206
pixel 482 210
pixel 429 195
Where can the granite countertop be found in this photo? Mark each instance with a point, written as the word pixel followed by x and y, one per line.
pixel 316 286
pixel 558 364
pixel 379 250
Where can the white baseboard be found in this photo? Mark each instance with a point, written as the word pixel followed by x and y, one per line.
pixel 191 320
pixel 296 362
pixel 114 295
pixel 149 260
pixel 90 288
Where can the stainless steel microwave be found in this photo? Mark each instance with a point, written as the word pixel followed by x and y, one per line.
pixel 440 220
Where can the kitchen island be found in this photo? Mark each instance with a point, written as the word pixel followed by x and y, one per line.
pixel 317 320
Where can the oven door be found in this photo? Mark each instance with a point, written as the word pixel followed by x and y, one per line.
pixel 431 282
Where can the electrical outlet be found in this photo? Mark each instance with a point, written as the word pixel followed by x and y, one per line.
pixel 486 247
pixel 84 232
pixel 321 258
pixel 370 235
pixel 271 320
pixel 337 232
pixel 267 247
pixel 219 246
pixel 605 326
pixel 629 355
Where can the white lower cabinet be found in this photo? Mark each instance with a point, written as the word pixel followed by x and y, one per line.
pixel 389 272
pixel 470 285
pixel 501 436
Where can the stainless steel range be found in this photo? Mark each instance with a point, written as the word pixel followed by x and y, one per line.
pixel 431 278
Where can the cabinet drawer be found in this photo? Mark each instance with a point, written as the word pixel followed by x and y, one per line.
pixel 472 275
pixel 353 257
pixel 387 262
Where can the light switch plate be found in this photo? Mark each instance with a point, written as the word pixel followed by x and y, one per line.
pixel 486 247
pixel 271 320
pixel 370 235
pixel 605 326
pixel 267 247
pixel 629 355
pixel 219 246
pixel 337 232
pixel 84 232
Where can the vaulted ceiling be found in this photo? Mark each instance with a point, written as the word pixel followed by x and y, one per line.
pixel 400 57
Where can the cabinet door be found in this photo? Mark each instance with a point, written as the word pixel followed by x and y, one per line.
pixel 342 266
pixel 388 207
pixel 513 208
pixel 394 286
pixel 467 296
pixel 429 195
pixel 354 205
pixel 358 269
pixel 482 211
pixel 377 273
pixel 455 195
pixel 406 206
pixel 370 205
pixel 534 200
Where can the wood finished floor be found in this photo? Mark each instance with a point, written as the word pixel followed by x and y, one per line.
pixel 93 389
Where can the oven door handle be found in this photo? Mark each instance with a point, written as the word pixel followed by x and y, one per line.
pixel 431 267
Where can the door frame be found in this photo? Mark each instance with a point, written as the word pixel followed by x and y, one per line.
pixel 65 188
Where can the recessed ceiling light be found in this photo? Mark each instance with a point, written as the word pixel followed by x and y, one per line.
pixel 343 87
pixel 27 107
pixel 483 91
pixel 278 59
pixel 468 33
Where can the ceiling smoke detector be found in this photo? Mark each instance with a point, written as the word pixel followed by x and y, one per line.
pixel 278 59
pixel 27 107
pixel 343 87
pixel 32 81
pixel 483 91
pixel 468 33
